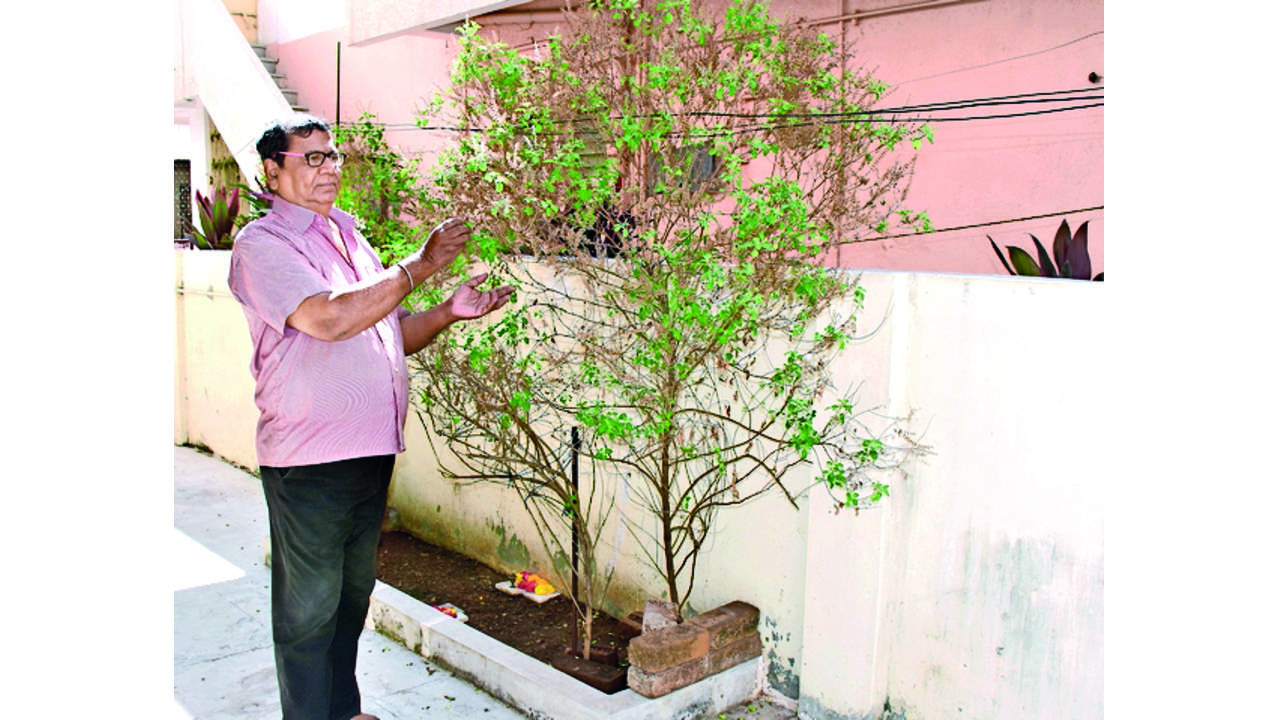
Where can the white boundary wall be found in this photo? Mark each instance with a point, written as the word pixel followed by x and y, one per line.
pixel 975 591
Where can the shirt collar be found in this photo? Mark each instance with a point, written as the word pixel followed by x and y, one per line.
pixel 300 219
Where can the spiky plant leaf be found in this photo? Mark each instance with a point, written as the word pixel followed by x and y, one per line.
pixel 1059 247
pixel 1079 260
pixel 1044 260
pixel 233 203
pixel 1023 263
pixel 1001 259
pixel 203 202
pixel 208 237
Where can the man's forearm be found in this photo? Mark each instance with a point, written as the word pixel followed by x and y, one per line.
pixel 344 314
pixel 419 329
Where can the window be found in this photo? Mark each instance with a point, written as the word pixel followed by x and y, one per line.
pixel 181 197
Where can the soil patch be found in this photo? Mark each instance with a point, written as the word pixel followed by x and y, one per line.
pixel 436 576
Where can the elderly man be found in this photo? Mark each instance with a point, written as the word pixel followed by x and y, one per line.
pixel 329 342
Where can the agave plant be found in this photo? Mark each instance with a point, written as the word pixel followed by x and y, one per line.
pixel 217 219
pixel 1069 252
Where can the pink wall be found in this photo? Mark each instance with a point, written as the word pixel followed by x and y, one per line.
pixel 976 172
pixel 392 79
pixel 991 169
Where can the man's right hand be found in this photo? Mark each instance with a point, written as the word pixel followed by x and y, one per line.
pixel 445 243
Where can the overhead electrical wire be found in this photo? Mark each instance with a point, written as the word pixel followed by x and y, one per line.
pixel 787 126
pixel 1000 61
pixel 869 116
pixel 971 226
pixel 872 115
pixel 1022 99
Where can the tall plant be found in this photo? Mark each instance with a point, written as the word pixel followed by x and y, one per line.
pixel 664 189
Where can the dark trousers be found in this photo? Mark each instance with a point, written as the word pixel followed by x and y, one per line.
pixel 325 523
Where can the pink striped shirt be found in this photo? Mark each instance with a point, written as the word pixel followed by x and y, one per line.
pixel 319 401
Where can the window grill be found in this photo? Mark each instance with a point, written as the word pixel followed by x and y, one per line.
pixel 181 197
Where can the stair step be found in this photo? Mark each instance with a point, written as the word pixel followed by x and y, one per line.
pixel 259 49
pixel 269 64
pixel 289 95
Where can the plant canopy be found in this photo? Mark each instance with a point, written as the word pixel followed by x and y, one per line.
pixel 666 192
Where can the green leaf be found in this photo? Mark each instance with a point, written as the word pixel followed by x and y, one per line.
pixel 1022 262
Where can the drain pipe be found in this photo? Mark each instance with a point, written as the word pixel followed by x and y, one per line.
pixel 337 113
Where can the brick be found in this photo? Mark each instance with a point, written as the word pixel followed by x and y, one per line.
pixel 658 614
pixel 598 676
pixel 656 684
pixel 750 646
pixel 630 626
pixel 728 623
pixel 605 654
pixel 670 646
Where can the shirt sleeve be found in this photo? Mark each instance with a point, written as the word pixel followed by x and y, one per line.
pixel 401 312
pixel 271 277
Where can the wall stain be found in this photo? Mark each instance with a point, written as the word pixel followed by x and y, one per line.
pixel 510 550
pixel 781 675
pixel 889 713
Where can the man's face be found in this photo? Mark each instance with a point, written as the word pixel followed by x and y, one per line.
pixel 295 181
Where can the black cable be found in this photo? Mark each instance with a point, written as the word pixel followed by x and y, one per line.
pixel 1000 61
pixel 1034 94
pixel 959 105
pixel 1018 99
pixel 1002 116
pixel 941 105
pixel 974 225
pixel 757 128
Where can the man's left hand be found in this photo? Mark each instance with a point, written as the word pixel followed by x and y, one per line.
pixel 468 302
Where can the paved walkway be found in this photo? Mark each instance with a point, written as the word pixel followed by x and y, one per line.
pixel 223 665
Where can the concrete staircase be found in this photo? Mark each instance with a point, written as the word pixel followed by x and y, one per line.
pixel 271 64
pixel 230 78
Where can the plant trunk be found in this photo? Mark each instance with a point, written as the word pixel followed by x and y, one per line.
pixel 667 532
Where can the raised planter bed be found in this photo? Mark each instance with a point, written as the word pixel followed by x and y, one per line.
pixel 537 689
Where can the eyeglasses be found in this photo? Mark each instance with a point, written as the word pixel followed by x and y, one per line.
pixel 315 158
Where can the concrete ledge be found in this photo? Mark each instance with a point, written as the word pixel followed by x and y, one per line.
pixel 534 688
pixel 399 615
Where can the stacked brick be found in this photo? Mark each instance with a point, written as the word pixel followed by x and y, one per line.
pixel 670 655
